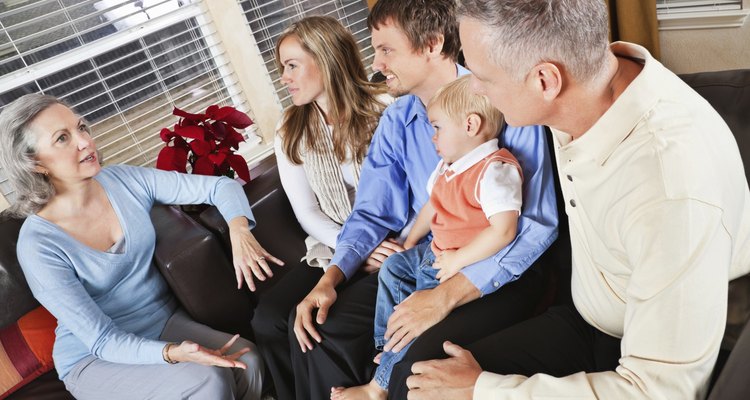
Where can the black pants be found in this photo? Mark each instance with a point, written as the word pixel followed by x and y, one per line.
pixel 271 324
pixel 344 358
pixel 559 343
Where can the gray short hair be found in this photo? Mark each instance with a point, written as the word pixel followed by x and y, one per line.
pixel 523 33
pixel 18 154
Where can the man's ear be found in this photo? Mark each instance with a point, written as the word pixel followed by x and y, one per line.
pixel 435 48
pixel 473 124
pixel 547 79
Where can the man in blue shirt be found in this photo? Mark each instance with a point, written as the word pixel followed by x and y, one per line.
pixel 416 45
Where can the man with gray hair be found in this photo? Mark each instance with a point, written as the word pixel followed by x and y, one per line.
pixel 659 213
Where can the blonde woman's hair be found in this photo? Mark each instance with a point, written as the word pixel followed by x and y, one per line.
pixel 458 101
pixel 352 99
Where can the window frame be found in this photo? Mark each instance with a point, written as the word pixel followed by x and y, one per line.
pixel 709 19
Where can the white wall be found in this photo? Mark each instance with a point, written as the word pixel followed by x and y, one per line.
pixel 3 203
pixel 687 51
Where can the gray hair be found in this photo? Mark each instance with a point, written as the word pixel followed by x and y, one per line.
pixel 523 33
pixel 18 154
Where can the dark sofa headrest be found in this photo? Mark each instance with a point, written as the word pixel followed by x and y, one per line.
pixel 729 93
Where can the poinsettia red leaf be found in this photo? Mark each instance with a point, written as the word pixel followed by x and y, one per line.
pixel 200 147
pixel 204 166
pixel 172 158
pixel 239 166
pixel 219 130
pixel 166 135
pixel 237 119
pixel 188 116
pixel 233 138
pixel 192 132
pixel 217 158
pixel 180 142
pixel 215 112
pixel 211 111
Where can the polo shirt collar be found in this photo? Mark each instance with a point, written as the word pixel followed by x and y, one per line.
pixel 619 121
pixel 469 159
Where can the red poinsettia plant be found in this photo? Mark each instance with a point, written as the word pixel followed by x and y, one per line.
pixel 207 142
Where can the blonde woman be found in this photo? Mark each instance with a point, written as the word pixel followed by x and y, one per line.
pixel 321 142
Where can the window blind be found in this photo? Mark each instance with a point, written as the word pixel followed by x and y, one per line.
pixel 269 18
pixel 688 6
pixel 122 64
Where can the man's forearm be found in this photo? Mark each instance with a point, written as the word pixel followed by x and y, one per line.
pixel 333 276
pixel 457 291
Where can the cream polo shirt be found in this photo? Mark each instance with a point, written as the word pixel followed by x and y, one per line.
pixel 659 213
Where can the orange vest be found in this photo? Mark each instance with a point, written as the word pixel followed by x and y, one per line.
pixel 458 215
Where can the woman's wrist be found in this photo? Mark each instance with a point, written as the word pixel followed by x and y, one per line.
pixel 165 353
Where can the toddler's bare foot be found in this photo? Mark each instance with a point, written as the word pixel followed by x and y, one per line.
pixel 371 391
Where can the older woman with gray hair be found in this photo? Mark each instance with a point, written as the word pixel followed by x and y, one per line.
pixel 86 249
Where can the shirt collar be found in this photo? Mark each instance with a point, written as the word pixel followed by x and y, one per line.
pixel 418 109
pixel 470 159
pixel 617 123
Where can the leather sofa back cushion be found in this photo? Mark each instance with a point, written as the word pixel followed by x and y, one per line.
pixel 729 93
pixel 26 350
pixel 15 296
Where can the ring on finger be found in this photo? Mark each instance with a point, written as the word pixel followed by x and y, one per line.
pixel 261 258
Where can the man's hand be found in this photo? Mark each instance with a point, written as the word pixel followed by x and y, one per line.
pixel 419 312
pixel 425 308
pixel 378 256
pixel 452 378
pixel 321 298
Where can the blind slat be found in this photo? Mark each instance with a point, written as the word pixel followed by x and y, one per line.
pixel 77 35
pixel 125 56
pixel 686 6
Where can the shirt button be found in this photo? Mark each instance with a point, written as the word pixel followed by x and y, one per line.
pixel 572 203
pixel 495 284
pixel 570 178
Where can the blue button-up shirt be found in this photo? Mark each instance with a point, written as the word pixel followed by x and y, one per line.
pixel 393 188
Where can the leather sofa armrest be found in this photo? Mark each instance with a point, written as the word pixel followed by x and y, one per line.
pixel 195 267
pixel 277 229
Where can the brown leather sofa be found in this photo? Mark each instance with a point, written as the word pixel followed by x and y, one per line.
pixel 196 263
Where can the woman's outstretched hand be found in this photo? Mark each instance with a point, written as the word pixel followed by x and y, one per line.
pixel 188 351
pixel 248 256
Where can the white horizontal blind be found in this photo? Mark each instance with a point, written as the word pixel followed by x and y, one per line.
pixel 122 64
pixel 269 18
pixel 689 6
